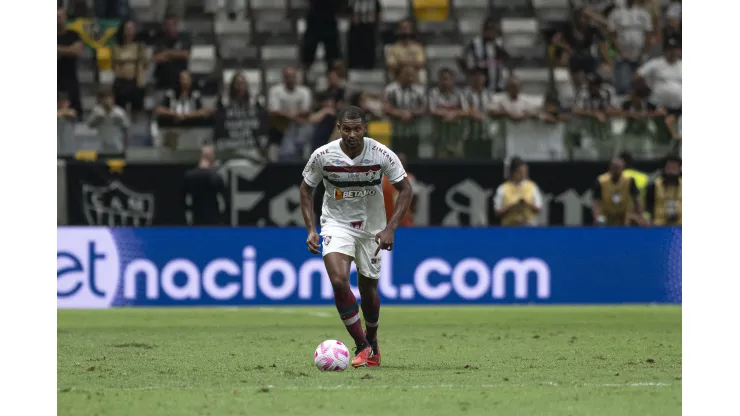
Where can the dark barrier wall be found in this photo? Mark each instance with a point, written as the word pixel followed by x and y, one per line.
pixel 99 267
pixel 448 194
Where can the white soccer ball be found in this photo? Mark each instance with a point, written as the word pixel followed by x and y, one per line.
pixel 331 355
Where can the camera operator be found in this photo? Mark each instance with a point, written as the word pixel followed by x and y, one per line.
pixel 518 200
pixel 201 188
pixel 616 199
pixel 663 196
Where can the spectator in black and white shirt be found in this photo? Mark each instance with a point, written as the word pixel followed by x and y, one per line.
pixel 171 54
pixel 363 33
pixel 631 28
pixel 597 101
pixel 240 118
pixel 182 105
pixel 487 52
pixel 404 102
pixel 445 101
pixel 480 100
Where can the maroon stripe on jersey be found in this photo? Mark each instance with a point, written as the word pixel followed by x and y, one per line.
pixel 353 169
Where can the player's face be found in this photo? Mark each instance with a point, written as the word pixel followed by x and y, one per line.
pixel 352 132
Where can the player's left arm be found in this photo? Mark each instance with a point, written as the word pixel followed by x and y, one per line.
pixel 393 169
pixel 403 202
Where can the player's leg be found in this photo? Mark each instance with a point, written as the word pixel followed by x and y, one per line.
pixel 368 273
pixel 338 249
pixel 370 304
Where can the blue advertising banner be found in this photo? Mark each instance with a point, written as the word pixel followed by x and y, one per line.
pixel 100 267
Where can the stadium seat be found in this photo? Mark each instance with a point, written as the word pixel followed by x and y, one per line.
pixel 268 10
pixel 434 52
pixel 279 53
pixel 202 59
pixel 274 33
pixel 394 10
pixel 431 10
pixel 236 51
pixel 232 27
pixel 438 32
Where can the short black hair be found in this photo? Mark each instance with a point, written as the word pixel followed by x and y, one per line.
pixel 445 70
pixel 627 158
pixel 351 113
pixel 62 96
pixel 515 163
pixel 671 157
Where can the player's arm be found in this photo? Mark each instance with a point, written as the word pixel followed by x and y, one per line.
pixel 403 203
pixel 312 175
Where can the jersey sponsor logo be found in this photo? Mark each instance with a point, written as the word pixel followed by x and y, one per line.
pixel 360 193
pixel 349 176
pixel 116 204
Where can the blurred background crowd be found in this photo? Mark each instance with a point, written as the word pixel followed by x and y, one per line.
pixel 475 79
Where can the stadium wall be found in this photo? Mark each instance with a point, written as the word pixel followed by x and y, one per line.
pixel 100 267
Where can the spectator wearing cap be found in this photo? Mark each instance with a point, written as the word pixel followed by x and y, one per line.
pixel 663 77
pixel 518 200
pixel 596 101
pixel 630 28
pixel 487 52
pixel 405 51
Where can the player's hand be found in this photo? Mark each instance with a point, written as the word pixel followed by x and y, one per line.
pixel 313 242
pixel 384 239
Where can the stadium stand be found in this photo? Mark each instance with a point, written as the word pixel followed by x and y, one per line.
pixel 258 38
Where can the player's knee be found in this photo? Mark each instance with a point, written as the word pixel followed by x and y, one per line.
pixel 339 282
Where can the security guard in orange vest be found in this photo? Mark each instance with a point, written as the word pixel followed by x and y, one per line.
pixel 663 196
pixel 616 199
pixel 518 200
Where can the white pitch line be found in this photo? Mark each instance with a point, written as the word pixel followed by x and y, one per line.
pixel 383 387
pixel 295 311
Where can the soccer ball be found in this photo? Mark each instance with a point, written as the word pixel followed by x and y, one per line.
pixel 331 355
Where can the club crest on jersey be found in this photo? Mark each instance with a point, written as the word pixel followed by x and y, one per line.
pixel 340 194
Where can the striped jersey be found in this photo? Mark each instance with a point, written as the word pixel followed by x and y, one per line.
pixel 353 199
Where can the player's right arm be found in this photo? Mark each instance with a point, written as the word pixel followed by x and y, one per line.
pixel 311 178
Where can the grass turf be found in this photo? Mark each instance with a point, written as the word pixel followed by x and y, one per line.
pixel 623 360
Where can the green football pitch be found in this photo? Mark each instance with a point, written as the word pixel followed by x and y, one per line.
pixel 523 360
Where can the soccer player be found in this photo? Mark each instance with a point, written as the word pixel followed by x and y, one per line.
pixel 353 222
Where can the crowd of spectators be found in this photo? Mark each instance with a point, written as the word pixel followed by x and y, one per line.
pixel 623 58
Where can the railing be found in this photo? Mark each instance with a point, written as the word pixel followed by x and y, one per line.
pixel 430 138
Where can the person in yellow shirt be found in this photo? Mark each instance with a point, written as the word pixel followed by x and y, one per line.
pixel 616 199
pixel 518 200
pixel 405 51
pixel 663 196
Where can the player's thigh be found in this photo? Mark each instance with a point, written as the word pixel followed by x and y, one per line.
pixel 338 250
pixel 368 264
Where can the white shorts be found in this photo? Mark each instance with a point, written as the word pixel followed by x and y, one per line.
pixel 361 249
